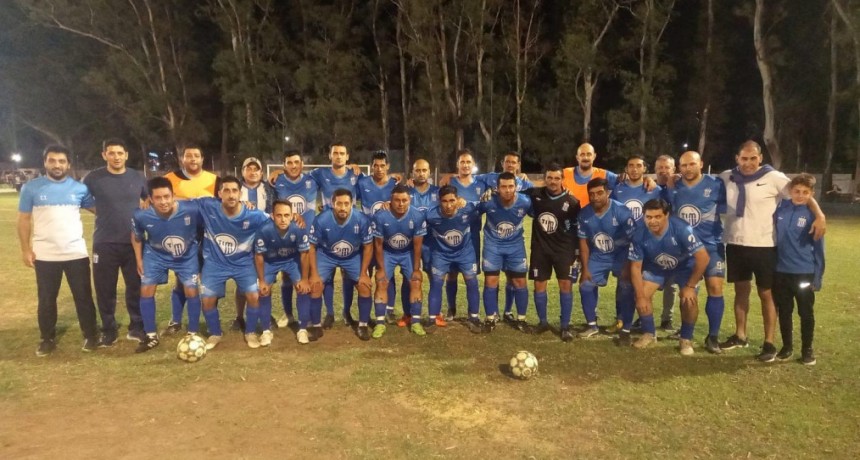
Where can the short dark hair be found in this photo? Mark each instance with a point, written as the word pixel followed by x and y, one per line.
pixel 113 141
pixel 291 153
pixel 379 155
pixel 804 179
pixel 657 204
pixel 399 188
pixel 190 146
pixel 447 190
pixel 338 144
pixel 282 203
pixel 465 151
pixel 750 144
pixel 341 192
pixel 636 156
pixel 507 176
pixel 553 166
pixel 512 153
pixel 158 182
pixel 228 179
pixel 598 182
pixel 56 148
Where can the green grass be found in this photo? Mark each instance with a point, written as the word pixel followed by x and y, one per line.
pixel 443 396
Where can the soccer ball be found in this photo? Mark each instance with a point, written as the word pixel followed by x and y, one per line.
pixel 191 348
pixel 524 365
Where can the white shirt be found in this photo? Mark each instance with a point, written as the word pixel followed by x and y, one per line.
pixel 755 228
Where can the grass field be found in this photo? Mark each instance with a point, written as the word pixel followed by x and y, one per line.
pixel 441 396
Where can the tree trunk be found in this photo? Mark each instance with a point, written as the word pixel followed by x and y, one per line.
pixel 703 123
pixel 764 67
pixel 827 182
pixel 381 81
pixel 589 82
pixel 404 94
pixel 854 29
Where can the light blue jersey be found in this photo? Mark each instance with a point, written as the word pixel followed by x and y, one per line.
pixel 58 233
pixel 328 182
pixel 504 225
pixel 424 201
pixel 171 239
pixel 608 234
pixel 700 206
pixel 397 234
pixel 341 241
pixel 281 253
pixel 229 241
pixel 372 195
pixel 301 193
pixel 662 255
pixel 452 235
pixel 634 197
pixel 491 180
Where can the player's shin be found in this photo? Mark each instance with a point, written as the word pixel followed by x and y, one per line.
pixel 364 307
pixel 588 293
pixel 540 306
pixel 434 298
pixel 472 296
pixel 194 308
pixel 714 308
pixel 213 321
pixel 566 303
pixel 348 293
pixel 451 292
pixel 147 310
pixel 287 298
pixel 625 303
pixel 510 297
pixel 252 317
pixel 392 293
pixel 303 305
pixel 266 312
pixel 521 296
pixel 316 311
pixel 491 301
pixel 177 302
pixel 328 295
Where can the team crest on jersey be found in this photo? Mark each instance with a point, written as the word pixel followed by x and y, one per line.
pixel 453 237
pixel 227 243
pixel 707 193
pixel 801 222
pixel 666 261
pixel 411 224
pixel 298 204
pixel 614 222
pixel 292 237
pixel 308 184
pixel 398 241
pixel 342 249
pixel 604 242
pixel 565 206
pixel 245 225
pixel 352 180
pixel 43 197
pixel 635 206
pixel 187 220
pixel 356 229
pixel 174 245
pixel 548 222
pixel 376 206
pixel 690 214
pixel 505 229
pixel 520 212
pixel 261 243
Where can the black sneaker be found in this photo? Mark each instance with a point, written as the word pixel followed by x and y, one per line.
pixel 148 343
pixel 390 318
pixel 624 339
pixel 107 340
pixel 712 344
pixel 522 326
pixel 315 333
pixel 347 320
pixel 90 344
pixel 541 328
pixel 734 342
pixel 274 323
pixel 173 328
pixel 451 315
pixel 785 353
pixel 238 324
pixel 768 353
pixel 46 347
pixel 490 324
pixel 475 325
pixel 637 326
pixel 363 333
pixel 808 357
pixel 667 326
pixel 136 335
pixel 508 318
pixel 675 335
pixel 566 335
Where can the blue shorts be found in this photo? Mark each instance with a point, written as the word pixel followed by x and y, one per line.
pixel 462 262
pixel 717 264
pixel 510 258
pixel 680 277
pixel 600 269
pixel 290 267
pixel 155 271
pixel 326 266
pixel 404 260
pixel 213 280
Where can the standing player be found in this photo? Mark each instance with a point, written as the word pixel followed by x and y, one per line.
pixel 399 236
pixel 664 170
pixel 228 251
pixel 699 200
pixel 52 241
pixel 342 237
pixel 576 178
pixel 666 251
pixel 282 247
pixel 118 191
pixel 423 197
pixel 164 237
pixel 553 246
pixel 604 230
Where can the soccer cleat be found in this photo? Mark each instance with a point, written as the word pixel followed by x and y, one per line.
pixel 490 324
pixel 315 333
pixel 238 324
pixel 252 340
pixel 768 353
pixel 348 321
pixel 303 337
pixel 136 335
pixel 676 335
pixel 90 344
pixel 266 338
pixel 451 315
pixel 588 332
pixel 328 322
pixel 615 327
pixel 624 339
pixel 541 328
pixel 363 333
pixel 148 343
pixel 108 340
pixel 379 330
pixel 508 318
pixel 440 320
pixel 172 328
pixel 734 342
pixel 418 329
pixel 784 354
pixel 213 341
pixel 808 357
pixel 391 318
pixel 637 326
pixel 566 335
pixel 522 326
pixel 475 325
pixel 46 347
pixel 644 340
pixel 285 321
pixel 273 322
pixel 685 346
pixel 404 321
pixel 667 326
pixel 713 345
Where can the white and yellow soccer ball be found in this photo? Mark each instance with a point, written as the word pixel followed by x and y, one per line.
pixel 191 348
pixel 524 365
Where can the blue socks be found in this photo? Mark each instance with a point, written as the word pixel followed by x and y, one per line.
pixel 491 301
pixel 434 297
pixel 266 312
pixel 194 309
pixel 287 298
pixel 521 296
pixel 328 295
pixel 252 317
pixel 714 308
pixel 472 296
pixel 415 311
pixel 316 310
pixel 303 305
pixel 540 306
pixel 687 330
pixel 451 293
pixel 348 293
pixel 379 309
pixel 625 303
pixel 648 324
pixel 588 292
pixel 213 321
pixel 566 301
pixel 364 306
pixel 177 302
pixel 147 311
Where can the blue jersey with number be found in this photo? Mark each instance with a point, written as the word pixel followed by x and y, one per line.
pixel 504 225
pixel 471 192
pixel 662 254
pixel 301 193
pixel 341 241
pixel 172 239
pixel 229 241
pixel 452 235
pixel 700 206
pixel 634 197
pixel 372 195
pixel 328 182
pixel 491 180
pixel 606 234
pixel 277 248
pixel 397 234
pixel 424 201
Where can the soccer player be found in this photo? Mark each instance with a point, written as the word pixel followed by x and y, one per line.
pixel 553 246
pixel 666 251
pixel 699 200
pixel 576 178
pixel 228 250
pixel 604 230
pixel 118 191
pixel 449 225
pixel 164 237
pixel 51 235
pixel 282 247
pixel 799 268
pixel 342 237
pixel 423 197
pixel 398 238
pixel 664 171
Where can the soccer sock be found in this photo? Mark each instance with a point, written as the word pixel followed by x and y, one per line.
pixel 177 301
pixel 364 306
pixel 328 296
pixel 147 310
pixel 521 296
pixel 303 305
pixel 213 321
pixel 491 301
pixel 540 305
pixel 379 309
pixel 405 293
pixel 510 297
pixel 566 301
pixel 266 312
pixel 648 324
pixel 315 305
pixel 392 293
pixel 588 293
pixel 687 330
pixel 434 298
pixel 287 298
pixel 625 303
pixel 348 293
pixel 472 296
pixel 714 308
pixel 451 293
pixel 415 311
pixel 194 308
pixel 252 316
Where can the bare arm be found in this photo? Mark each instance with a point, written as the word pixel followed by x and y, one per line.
pixel 25 229
pixel 137 245
pixel 260 266
pixel 584 252
pixel 417 243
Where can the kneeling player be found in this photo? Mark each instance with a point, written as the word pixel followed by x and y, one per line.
pixel 164 237
pixel 282 247
pixel 666 252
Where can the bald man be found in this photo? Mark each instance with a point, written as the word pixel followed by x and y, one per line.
pixel 575 179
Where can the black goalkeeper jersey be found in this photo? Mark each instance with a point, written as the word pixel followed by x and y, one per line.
pixel 554 225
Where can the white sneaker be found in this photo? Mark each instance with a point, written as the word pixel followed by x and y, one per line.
pixel 252 340
pixel 266 338
pixel 686 347
pixel 283 321
pixel 302 337
pixel 212 341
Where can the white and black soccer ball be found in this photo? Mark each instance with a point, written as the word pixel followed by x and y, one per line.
pixel 191 348
pixel 524 365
